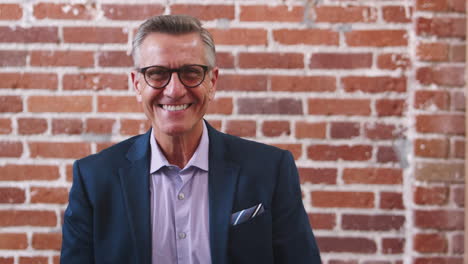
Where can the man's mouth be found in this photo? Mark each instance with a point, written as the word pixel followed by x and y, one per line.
pixel 174 107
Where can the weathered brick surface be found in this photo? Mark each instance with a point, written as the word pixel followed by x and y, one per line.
pixel 353 89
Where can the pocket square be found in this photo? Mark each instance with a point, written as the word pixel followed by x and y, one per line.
pixel 246 214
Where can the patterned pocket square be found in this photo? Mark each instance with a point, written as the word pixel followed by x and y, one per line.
pixel 246 214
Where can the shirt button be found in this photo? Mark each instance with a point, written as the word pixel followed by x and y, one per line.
pixel 182 235
pixel 181 196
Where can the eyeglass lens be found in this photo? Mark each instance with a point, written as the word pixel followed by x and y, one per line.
pixel 189 75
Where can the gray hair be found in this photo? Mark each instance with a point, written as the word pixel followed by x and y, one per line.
pixel 174 25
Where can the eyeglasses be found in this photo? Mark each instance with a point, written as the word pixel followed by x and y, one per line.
pixel 158 77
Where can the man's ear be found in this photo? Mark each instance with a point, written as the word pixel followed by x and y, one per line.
pixel 136 85
pixel 214 82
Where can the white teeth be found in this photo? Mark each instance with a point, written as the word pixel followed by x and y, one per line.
pixel 175 107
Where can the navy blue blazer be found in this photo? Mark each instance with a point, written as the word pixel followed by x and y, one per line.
pixel 107 220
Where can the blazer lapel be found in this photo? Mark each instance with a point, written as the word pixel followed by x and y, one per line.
pixel 135 187
pixel 222 181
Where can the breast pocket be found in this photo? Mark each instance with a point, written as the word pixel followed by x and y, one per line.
pixel 251 241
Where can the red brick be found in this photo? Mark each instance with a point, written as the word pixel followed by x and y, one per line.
pixel 428 100
pixel 295 149
pixel 28 126
pixel 282 106
pixel 372 176
pixel 347 244
pixel 27 218
pixel 276 128
pixel 310 130
pixel 29 35
pixel 306 36
pixel 222 106
pixel 340 152
pixel 100 125
pixel 13 241
pixel 458 246
pixel 438 260
pixel 344 129
pixel 5 126
pixel 340 60
pixel 11 172
pixel 225 60
pixel 441 5
pixel 390 107
pixel 458 101
pixel 393 61
pixel 443 124
pixel 431 148
pixel 34 260
pixel 52 195
pixel 239 36
pixel 131 11
pixel 440 171
pixel 10 104
pixel 348 14
pixel 439 219
pixel 114 59
pixel 11 12
pixel 234 82
pixel 333 199
pixel 28 80
pixel 379 84
pixel 393 245
pixel 339 261
pixel 431 195
pixel 346 107
pixel 441 27
pixel 386 154
pixel 64 150
pixel 457 53
pixel 391 201
pixel 397 14
pixel 241 128
pixel 458 149
pixel 372 222
pixel 62 58
pixel 100 35
pixel 205 12
pixel 279 13
pixel 60 104
pixel 322 221
pixel 436 51
pixel 134 126
pixel 430 243
pixel 377 38
pixel 271 60
pixel 444 76
pixel 10 195
pixel 381 131
pixel 303 83
pixel 12 57
pixel 56 260
pixel 318 175
pixel 67 126
pixel 11 149
pixel 95 81
pixel 103 145
pixel 64 11
pixel 47 241
pixel 118 104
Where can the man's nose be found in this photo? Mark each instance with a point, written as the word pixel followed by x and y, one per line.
pixel 175 88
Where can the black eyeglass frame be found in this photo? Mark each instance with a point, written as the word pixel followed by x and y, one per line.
pixel 171 71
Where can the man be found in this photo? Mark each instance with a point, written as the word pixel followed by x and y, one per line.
pixel 184 192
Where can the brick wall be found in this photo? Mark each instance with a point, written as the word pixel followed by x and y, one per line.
pixel 367 95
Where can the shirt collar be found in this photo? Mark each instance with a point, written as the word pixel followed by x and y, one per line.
pixel 199 158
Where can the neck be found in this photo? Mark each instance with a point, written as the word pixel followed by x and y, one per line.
pixel 178 149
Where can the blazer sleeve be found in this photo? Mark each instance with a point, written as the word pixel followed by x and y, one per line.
pixel 77 230
pixel 293 240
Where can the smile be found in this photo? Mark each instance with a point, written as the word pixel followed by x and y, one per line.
pixel 175 107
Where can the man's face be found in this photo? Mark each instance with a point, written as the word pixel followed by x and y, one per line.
pixel 175 109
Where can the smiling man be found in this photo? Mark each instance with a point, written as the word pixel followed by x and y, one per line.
pixel 184 192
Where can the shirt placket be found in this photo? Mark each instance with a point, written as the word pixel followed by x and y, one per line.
pixel 181 215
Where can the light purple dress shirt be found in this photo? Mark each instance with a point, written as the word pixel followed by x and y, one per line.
pixel 179 207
